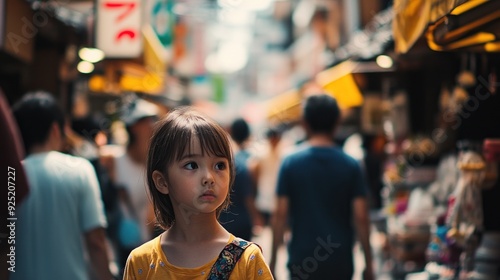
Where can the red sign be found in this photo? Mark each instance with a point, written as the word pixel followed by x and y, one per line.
pixel 119 28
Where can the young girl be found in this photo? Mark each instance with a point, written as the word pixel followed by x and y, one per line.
pixel 190 171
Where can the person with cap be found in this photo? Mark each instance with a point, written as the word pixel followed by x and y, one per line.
pixel 127 172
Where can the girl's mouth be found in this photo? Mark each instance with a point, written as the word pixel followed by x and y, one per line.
pixel 208 195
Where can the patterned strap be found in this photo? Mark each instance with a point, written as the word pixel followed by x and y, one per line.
pixel 227 259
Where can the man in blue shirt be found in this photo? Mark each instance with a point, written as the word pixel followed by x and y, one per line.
pixel 321 193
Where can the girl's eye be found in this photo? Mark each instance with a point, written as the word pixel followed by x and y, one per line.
pixel 191 165
pixel 220 166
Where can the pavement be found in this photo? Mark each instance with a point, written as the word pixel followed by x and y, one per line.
pixel 264 239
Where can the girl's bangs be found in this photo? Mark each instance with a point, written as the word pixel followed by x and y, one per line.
pixel 212 141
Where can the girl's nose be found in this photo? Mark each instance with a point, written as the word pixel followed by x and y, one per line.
pixel 208 179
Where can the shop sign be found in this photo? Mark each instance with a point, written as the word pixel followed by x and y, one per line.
pixel 119 28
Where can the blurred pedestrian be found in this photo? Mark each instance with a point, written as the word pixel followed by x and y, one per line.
pixel 264 168
pixel 64 205
pixel 373 162
pixel 190 170
pixel 87 135
pixel 240 133
pixel 238 217
pixel 127 172
pixel 16 189
pixel 321 192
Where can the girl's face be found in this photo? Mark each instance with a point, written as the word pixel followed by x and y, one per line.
pixel 198 183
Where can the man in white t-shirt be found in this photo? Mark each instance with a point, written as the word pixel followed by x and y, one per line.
pixel 64 205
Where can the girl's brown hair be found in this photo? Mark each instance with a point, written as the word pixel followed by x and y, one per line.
pixel 171 138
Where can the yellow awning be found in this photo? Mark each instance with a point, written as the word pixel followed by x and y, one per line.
pixel 285 107
pixel 338 81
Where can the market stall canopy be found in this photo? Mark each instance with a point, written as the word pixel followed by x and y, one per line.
pixel 285 108
pixel 411 18
pixel 337 81
pixel 472 26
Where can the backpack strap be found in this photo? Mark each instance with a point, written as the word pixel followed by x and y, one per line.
pixel 227 259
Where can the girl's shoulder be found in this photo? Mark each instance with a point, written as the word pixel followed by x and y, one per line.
pixel 244 249
pixel 148 250
pixel 252 264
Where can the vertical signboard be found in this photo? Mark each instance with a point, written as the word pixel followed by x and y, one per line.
pixel 119 28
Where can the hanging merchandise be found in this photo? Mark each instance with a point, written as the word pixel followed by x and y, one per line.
pixel 437 250
pixel 465 218
pixel 487 255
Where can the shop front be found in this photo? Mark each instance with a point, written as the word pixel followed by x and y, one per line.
pixel 442 190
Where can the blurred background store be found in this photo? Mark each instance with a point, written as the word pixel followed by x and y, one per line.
pixel 417 82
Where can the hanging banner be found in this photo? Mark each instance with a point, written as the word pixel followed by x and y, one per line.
pixel 119 28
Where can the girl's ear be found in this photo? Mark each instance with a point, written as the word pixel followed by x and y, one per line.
pixel 160 182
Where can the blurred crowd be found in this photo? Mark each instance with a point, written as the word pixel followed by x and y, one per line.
pixel 86 181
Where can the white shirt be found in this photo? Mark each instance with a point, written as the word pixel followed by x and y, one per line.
pixel 131 176
pixel 63 203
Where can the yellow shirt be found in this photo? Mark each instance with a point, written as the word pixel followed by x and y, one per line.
pixel 149 262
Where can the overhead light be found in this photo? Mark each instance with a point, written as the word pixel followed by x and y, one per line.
pixel 384 61
pixel 85 67
pixel 92 55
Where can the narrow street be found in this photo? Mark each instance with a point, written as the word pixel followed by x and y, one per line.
pixel 265 241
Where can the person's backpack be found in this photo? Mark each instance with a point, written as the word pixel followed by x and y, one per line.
pixel 227 259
